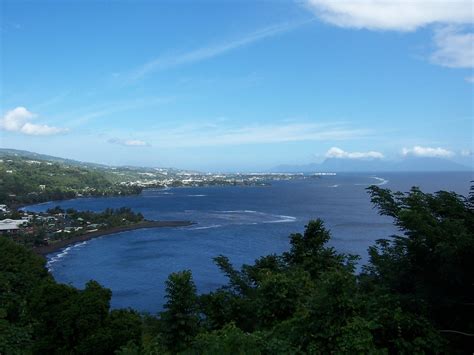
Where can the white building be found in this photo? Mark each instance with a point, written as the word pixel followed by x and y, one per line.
pixel 11 225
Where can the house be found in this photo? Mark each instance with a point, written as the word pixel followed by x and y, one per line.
pixel 11 226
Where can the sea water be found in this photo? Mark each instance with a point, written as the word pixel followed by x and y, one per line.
pixel 242 223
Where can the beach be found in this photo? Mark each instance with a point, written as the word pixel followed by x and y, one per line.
pixel 47 249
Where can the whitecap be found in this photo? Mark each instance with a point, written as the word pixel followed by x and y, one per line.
pixel 283 219
pixel 240 211
pixel 382 180
pixel 61 254
pixel 206 227
pixel 248 217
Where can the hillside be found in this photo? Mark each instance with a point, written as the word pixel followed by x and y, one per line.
pixel 24 180
pixel 16 153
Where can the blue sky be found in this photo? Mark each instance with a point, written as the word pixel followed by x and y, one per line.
pixel 237 85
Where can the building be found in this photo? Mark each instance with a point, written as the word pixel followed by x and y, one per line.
pixel 11 226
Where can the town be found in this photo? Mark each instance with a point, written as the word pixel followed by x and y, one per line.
pixel 34 229
pixel 190 179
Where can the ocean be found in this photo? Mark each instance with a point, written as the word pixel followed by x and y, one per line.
pixel 242 223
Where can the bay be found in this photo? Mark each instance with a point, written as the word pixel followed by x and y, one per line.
pixel 242 223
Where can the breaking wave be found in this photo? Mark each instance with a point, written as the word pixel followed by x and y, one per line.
pixel 252 217
pixel 206 227
pixel 61 254
pixel 381 181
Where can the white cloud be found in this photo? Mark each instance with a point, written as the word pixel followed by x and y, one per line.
pixel 470 79
pixel 419 151
pixel 338 153
pixel 397 15
pixel 40 130
pixel 207 52
pixel 466 152
pixel 453 45
pixel 14 119
pixel 18 120
pixel 454 48
pixel 129 142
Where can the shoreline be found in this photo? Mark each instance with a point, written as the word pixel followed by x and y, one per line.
pixel 48 249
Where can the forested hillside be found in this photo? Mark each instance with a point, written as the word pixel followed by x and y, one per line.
pixel 23 180
pixel 415 296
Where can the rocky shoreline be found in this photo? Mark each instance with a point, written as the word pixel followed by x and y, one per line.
pixel 47 249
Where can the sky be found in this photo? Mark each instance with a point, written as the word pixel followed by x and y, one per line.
pixel 237 85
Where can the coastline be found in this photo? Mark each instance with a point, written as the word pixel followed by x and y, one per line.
pixel 48 249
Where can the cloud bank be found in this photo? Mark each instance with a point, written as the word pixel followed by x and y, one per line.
pixel 428 152
pixel 338 153
pixel 19 120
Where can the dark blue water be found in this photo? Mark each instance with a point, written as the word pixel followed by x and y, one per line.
pixel 242 223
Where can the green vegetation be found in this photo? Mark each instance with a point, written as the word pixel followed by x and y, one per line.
pixel 110 217
pixel 415 295
pixel 39 316
pixel 24 181
pixel 57 224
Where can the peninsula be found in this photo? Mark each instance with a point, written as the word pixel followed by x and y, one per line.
pixel 54 247
pixel 57 228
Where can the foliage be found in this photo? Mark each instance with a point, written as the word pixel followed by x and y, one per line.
pixel 110 217
pixel 23 181
pixel 180 318
pixel 39 316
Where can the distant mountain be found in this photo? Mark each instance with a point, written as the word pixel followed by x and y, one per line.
pixel 374 165
pixel 430 164
pixel 351 165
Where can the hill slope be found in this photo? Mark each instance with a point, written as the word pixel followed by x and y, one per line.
pixel 30 178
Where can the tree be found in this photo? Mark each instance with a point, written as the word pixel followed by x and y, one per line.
pixel 20 273
pixel 180 318
pixel 309 251
pixel 430 265
pixel 228 340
